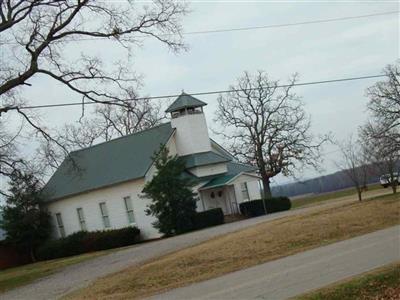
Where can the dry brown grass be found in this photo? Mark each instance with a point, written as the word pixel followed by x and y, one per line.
pixel 379 284
pixel 249 247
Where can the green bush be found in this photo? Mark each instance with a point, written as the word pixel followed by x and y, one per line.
pixel 252 208
pixel 83 242
pixel 276 204
pixel 255 208
pixel 208 218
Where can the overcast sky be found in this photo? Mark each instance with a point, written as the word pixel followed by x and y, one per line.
pixel 317 52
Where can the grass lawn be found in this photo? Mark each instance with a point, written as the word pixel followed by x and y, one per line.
pixel 306 201
pixel 14 277
pixel 242 249
pixel 382 283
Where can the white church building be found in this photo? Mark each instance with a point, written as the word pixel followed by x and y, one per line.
pixel 100 187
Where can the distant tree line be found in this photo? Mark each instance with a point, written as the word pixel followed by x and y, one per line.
pixel 324 184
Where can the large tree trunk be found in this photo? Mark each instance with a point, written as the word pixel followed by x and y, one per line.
pixel 359 192
pixel 264 177
pixel 266 187
pixel 394 188
pixel 266 190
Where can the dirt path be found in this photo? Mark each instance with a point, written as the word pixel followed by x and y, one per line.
pixel 80 275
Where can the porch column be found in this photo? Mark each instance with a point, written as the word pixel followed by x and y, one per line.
pixel 202 201
pixel 232 193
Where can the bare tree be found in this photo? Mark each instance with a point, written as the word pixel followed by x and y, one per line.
pixel 34 40
pixel 354 164
pixel 34 33
pixel 385 103
pixel 383 150
pixel 381 134
pixel 109 122
pixel 133 117
pixel 267 126
pixel 9 159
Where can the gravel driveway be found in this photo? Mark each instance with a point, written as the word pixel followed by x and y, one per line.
pixel 80 275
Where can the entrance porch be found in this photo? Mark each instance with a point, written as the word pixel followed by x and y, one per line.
pixel 228 196
pixel 223 197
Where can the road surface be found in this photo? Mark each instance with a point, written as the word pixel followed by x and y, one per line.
pixel 300 273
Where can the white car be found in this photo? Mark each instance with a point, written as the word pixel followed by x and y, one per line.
pixel 386 179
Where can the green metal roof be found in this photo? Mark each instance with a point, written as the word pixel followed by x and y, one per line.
pixel 203 158
pixel 184 101
pixel 218 181
pixel 108 163
pixel 233 170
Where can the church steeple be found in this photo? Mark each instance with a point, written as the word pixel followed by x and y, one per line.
pixel 185 104
pixel 188 119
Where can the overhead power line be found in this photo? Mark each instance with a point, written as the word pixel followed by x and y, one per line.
pixel 292 24
pixel 194 94
pixel 318 21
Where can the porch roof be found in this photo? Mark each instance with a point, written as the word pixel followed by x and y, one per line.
pixel 234 169
pixel 218 181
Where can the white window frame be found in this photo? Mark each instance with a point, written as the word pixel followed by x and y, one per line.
pixel 104 215
pixel 245 191
pixel 60 225
pixel 130 212
pixel 81 218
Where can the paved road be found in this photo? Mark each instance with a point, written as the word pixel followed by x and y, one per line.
pixel 297 274
pixel 80 275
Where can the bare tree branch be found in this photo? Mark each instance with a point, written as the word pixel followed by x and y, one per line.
pixel 385 102
pixel 108 122
pixel 383 150
pixel 43 27
pixel 34 41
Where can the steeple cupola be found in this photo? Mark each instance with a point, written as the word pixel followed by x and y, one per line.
pixel 188 119
pixel 185 105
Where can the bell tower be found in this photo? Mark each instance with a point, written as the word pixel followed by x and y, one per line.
pixel 188 119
